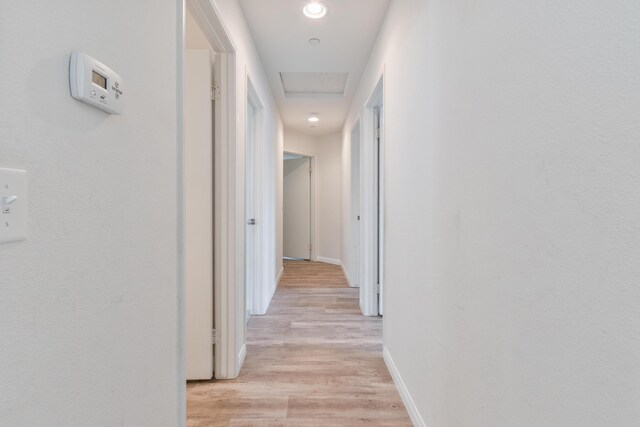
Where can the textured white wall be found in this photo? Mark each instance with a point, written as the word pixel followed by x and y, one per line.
pixel 328 153
pixel 512 200
pixel 88 309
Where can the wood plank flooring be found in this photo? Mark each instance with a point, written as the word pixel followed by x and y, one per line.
pixel 312 360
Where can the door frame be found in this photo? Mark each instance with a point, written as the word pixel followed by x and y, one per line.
pixel 314 172
pixel 229 349
pixel 372 216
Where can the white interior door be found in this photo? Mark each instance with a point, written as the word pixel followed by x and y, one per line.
pixel 250 206
pixel 355 207
pixel 198 202
pixel 296 216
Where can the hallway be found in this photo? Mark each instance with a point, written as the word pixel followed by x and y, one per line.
pixel 313 360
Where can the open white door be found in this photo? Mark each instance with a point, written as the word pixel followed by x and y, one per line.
pixel 198 201
pixel 296 218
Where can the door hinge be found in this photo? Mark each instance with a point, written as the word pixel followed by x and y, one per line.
pixel 215 338
pixel 310 246
pixel 215 92
pixel 378 289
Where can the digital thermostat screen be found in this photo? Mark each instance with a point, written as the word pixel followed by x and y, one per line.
pixel 99 79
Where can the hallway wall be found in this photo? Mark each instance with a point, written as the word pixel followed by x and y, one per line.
pixel 327 150
pixel 88 303
pixel 512 199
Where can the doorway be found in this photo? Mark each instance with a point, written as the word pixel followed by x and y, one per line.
pixel 298 206
pixel 223 339
pixel 199 61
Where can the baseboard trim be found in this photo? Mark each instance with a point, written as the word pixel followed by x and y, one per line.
pixel 269 297
pixel 346 274
pixel 402 389
pixel 241 356
pixel 272 291
pixel 329 260
pixel 335 261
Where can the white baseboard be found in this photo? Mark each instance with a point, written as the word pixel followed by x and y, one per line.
pixel 335 261
pixel 241 356
pixel 329 260
pixel 346 274
pixel 266 302
pixel 402 389
pixel 272 291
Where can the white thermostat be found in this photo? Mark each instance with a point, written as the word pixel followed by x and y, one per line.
pixel 94 83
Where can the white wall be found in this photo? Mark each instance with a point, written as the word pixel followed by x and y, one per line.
pixel 512 199
pixel 88 303
pixel 328 153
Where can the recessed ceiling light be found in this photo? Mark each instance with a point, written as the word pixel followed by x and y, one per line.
pixel 315 10
pixel 313 117
pixel 314 41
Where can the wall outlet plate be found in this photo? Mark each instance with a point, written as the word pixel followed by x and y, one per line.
pixel 13 205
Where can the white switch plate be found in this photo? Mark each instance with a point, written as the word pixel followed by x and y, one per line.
pixel 13 223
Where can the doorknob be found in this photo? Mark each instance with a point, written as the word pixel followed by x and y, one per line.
pixel 252 221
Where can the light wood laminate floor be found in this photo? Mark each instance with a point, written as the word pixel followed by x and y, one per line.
pixel 312 360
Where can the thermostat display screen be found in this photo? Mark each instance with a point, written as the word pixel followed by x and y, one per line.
pixel 99 79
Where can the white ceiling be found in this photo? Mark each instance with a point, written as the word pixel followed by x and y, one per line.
pixel 347 34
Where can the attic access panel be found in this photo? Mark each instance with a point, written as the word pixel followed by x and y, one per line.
pixel 314 84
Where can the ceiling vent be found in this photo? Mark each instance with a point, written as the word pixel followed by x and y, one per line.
pixel 313 85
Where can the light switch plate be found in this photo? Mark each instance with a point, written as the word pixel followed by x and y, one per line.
pixel 13 205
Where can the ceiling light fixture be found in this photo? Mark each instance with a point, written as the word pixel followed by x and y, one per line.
pixel 313 117
pixel 315 10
